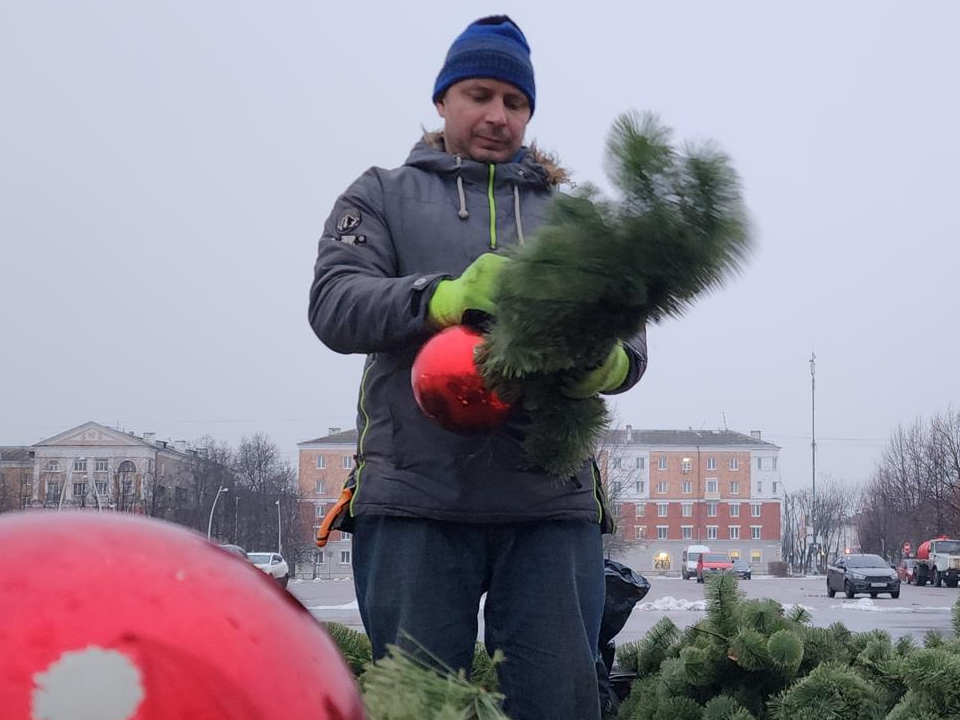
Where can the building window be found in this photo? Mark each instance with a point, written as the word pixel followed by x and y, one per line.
pixel 733 463
pixel 640 531
pixel 759 487
pixel 641 509
pixel 80 465
pixel 52 466
pixel 641 463
pixel 616 488
pixel 686 532
pixel 102 488
pixel 754 511
pixel 759 463
pixel 662 532
pixel 318 490
pixel 712 485
pixel 711 509
pixel 734 531
pixel 662 509
pixel 711 463
pixel 662 488
pixel 686 510
pixel 734 510
pixel 321 462
pixel 774 461
pixel 711 532
pixel 755 556
pixel 734 554
pixel 128 467
pixel 318 511
pixel 347 462
pixel 127 488
pixel 755 531
pixel 616 463
pixel 79 489
pixel 775 488
pixel 734 487
pixel 53 489
pixel 617 510
pixel 344 535
pixel 344 557
pixel 687 487
pixel 101 465
pixel 662 463
pixel 641 487
pixel 685 465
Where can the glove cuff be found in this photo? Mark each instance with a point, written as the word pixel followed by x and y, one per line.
pixel 442 306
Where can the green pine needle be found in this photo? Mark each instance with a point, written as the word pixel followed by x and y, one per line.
pixel 353 645
pixel 403 687
pixel 598 269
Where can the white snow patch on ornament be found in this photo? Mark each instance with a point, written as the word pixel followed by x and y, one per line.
pixel 88 684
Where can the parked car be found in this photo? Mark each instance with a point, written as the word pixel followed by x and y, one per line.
pixel 852 574
pixel 235 550
pixel 907 571
pixel 712 562
pixel 741 568
pixel 688 560
pixel 272 564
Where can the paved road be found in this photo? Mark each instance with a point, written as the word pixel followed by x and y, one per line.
pixel 917 610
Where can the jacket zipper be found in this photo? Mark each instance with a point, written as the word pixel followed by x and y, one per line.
pixel 493 208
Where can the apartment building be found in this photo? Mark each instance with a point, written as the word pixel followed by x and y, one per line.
pixel 323 467
pixel 673 488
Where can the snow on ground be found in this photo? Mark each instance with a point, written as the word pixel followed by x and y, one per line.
pixel 868 605
pixel 348 606
pixel 669 603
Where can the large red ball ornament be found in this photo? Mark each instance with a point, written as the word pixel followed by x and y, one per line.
pixel 448 386
pixel 115 617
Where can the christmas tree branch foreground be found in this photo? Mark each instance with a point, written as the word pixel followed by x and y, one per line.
pixel 598 269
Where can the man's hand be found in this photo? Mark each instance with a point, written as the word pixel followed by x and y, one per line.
pixel 473 290
pixel 610 375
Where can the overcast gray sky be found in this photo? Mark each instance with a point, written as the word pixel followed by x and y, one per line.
pixel 165 169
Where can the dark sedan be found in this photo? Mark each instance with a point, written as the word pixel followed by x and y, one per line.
pixel 854 574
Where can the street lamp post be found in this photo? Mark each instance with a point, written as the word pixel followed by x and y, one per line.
pixel 813 454
pixel 213 507
pixel 279 541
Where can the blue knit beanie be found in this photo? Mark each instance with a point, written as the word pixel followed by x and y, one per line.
pixel 492 47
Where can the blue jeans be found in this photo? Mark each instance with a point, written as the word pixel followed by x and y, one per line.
pixel 545 593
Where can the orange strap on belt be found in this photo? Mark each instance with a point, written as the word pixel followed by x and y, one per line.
pixel 323 532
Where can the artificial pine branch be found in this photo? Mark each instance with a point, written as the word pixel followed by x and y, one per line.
pixel 403 687
pixel 353 645
pixel 723 603
pixel 598 269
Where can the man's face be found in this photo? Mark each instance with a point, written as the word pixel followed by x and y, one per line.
pixel 484 119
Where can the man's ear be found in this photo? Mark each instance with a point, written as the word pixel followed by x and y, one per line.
pixel 441 108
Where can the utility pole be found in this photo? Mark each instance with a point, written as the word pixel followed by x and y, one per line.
pixel 813 450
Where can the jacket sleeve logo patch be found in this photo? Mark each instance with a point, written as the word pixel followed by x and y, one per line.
pixel 350 220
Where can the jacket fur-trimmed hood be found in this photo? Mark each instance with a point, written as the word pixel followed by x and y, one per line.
pixel 555 174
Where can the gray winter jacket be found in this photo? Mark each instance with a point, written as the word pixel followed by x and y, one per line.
pixel 392 236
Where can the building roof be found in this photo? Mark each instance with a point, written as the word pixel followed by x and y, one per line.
pixel 344 437
pixel 15 453
pixel 687 438
pixel 656 438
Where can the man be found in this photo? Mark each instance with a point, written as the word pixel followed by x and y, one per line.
pixel 438 519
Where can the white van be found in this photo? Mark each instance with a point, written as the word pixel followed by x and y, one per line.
pixel 688 563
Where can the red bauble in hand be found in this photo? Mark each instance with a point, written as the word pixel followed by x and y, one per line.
pixel 448 386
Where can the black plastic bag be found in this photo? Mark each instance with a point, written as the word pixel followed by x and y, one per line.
pixel 624 589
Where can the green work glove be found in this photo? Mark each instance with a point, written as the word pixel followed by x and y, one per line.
pixel 608 376
pixel 473 290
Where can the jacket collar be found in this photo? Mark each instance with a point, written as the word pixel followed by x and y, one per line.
pixel 534 167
